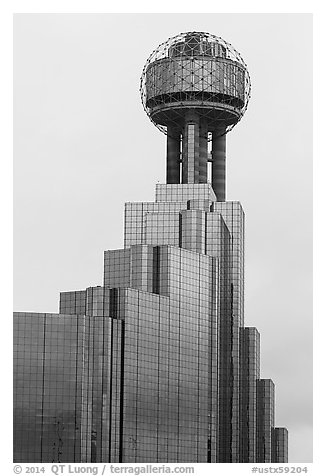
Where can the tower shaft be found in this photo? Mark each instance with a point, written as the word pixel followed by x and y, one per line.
pixel 203 151
pixel 218 165
pixel 173 155
pixel 193 137
pixel 190 149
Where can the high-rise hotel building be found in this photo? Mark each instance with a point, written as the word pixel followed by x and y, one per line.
pixel 156 365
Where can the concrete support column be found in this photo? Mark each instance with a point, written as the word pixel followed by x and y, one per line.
pixel 203 151
pixel 218 165
pixel 173 156
pixel 190 149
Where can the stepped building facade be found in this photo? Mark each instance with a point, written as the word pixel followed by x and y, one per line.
pixel 156 365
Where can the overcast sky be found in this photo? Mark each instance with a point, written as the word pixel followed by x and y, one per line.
pixel 83 146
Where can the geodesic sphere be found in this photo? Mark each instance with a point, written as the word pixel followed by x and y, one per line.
pixel 199 72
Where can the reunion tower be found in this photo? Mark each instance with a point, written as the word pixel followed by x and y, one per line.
pixel 157 365
pixel 195 87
